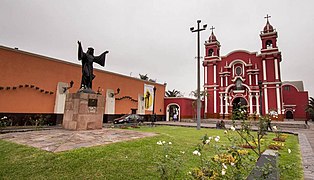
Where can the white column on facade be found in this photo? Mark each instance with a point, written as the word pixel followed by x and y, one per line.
pixel 233 73
pixel 221 81
pixel 251 103
pixel 226 81
pixel 276 69
pixel 215 75
pixel 226 104
pixel 264 70
pixel 243 70
pixel 256 79
pixel 278 99
pixel 215 100
pixel 257 104
pixel 250 79
pixel 266 99
pixel 221 104
pixel 206 98
pixel 205 74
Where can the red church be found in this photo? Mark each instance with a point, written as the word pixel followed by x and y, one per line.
pixel 252 79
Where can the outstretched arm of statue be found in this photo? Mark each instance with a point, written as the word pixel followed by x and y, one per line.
pixel 80 51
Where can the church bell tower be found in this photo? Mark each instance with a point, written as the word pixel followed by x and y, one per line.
pixel 270 79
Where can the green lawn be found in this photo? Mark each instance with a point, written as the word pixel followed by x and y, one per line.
pixel 125 160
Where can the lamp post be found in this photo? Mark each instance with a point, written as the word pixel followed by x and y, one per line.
pixel 154 97
pixel 198 112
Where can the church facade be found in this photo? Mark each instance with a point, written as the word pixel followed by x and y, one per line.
pixel 250 79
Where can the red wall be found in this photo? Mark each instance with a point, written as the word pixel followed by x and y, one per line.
pixel 299 99
pixel 187 106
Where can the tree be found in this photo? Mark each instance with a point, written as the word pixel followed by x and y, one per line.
pixel 202 94
pixel 310 108
pixel 144 77
pixel 173 93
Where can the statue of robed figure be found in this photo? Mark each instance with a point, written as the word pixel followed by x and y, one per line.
pixel 88 59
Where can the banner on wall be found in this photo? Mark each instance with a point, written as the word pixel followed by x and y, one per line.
pixel 148 97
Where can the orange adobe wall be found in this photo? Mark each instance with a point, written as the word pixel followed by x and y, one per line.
pixel 42 74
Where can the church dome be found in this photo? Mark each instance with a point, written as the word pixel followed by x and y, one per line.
pixel 268 28
pixel 212 38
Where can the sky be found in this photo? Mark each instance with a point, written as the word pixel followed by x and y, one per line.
pixel 153 37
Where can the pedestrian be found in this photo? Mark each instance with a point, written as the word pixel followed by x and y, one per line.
pixel 175 117
pixel 269 124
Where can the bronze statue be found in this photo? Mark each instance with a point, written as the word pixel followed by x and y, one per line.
pixel 87 67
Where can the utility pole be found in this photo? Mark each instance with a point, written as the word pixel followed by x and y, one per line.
pixel 198 112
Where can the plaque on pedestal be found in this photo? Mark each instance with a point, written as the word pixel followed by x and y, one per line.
pixel 83 111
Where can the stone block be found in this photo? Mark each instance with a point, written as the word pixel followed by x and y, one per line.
pixel 79 116
pixel 269 157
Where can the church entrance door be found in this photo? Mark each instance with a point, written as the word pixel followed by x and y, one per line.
pixel 237 103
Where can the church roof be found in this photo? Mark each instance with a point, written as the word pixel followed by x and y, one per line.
pixel 268 28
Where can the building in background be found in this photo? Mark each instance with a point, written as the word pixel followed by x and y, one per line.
pixel 250 79
pixel 36 84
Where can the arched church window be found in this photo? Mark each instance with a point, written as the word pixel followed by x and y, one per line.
pixel 238 71
pixel 238 84
pixel 210 52
pixel 269 44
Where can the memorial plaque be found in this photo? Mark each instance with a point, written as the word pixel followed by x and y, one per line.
pixel 92 102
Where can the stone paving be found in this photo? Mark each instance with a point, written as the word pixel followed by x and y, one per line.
pixel 62 140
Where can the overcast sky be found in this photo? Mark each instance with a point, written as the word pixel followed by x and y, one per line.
pixel 153 36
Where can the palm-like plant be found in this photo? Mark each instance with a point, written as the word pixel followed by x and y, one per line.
pixel 202 94
pixel 310 108
pixel 144 77
pixel 173 93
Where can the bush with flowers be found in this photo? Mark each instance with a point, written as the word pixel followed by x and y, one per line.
pixel 229 161
pixel 169 162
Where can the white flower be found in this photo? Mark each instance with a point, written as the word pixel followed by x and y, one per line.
pixel 190 172
pixel 274 127
pixel 224 166
pixel 225 131
pixel 159 143
pixel 126 157
pixel 232 164
pixel 166 156
pixel 232 128
pixel 289 151
pixel 4 117
pixel 182 152
pixel 196 152
pixel 207 141
pixel 223 172
pixel 170 143
pixel 210 138
pixel 217 138
pixel 163 142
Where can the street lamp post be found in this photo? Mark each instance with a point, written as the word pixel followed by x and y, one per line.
pixel 154 98
pixel 198 30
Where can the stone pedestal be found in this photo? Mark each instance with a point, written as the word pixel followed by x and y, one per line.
pixel 83 111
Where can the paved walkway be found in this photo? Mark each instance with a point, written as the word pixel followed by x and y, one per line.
pixel 305 135
pixel 62 140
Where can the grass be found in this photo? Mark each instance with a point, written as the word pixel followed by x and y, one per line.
pixel 125 160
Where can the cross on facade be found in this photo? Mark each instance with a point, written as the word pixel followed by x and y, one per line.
pixel 267 17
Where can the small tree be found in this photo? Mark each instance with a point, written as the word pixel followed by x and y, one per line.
pixel 173 93
pixel 310 108
pixel 202 94
pixel 144 77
